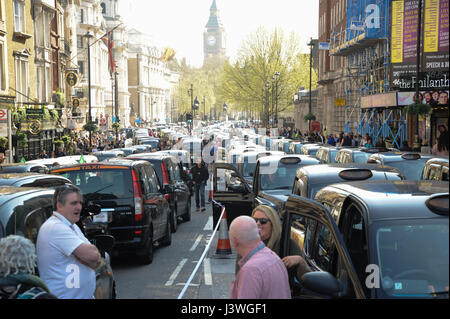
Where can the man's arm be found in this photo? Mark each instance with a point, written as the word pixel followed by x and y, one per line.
pixel 88 255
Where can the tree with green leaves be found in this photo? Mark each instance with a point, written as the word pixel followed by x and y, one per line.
pixel 251 82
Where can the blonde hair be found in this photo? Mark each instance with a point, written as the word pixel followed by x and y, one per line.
pixel 17 255
pixel 275 237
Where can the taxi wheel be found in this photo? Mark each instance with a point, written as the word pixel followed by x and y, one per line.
pixel 147 253
pixel 174 220
pixel 187 216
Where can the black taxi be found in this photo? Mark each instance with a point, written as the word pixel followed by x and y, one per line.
pixel 357 154
pixel 410 164
pixel 33 180
pixel 23 210
pixel 436 169
pixel 310 179
pixel 379 239
pixel 134 207
pixel 272 183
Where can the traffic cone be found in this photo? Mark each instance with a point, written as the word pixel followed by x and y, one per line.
pixel 223 244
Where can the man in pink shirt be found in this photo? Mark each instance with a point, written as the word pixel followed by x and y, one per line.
pixel 262 274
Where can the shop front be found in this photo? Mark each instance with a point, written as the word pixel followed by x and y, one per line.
pixel 426 126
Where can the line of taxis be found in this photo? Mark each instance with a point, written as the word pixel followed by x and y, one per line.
pixel 371 223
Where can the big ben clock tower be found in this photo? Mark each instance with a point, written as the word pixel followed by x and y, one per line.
pixel 214 37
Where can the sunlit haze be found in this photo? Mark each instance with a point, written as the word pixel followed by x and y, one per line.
pixel 180 23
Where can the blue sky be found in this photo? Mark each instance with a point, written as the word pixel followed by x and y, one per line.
pixel 180 23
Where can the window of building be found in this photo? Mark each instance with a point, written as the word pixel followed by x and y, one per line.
pixel 22 86
pixel 79 41
pixel 81 67
pixel 2 69
pixel 103 5
pixel 19 16
pixel 81 16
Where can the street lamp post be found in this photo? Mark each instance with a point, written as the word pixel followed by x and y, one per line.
pixel 311 45
pixel 416 144
pixel 89 36
pixel 276 77
pixel 191 94
pixel 267 102
pixel 204 109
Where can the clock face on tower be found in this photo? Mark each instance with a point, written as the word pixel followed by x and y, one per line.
pixel 211 40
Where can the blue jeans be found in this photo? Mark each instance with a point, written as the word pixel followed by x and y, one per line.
pixel 199 194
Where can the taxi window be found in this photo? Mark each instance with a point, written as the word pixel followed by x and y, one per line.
pixel 361 157
pixel 324 248
pixel 434 173
pixel 302 233
pixel 104 183
pixel 444 176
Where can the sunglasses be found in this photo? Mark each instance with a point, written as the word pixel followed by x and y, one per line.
pixel 262 221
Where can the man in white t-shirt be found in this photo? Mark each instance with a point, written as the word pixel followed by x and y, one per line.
pixel 65 258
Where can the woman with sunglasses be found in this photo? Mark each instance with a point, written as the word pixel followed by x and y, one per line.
pixel 269 228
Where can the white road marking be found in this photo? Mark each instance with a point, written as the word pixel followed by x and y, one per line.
pixel 197 241
pixel 209 224
pixel 207 272
pixel 176 272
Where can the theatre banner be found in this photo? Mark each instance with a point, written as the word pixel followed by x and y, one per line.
pixel 434 71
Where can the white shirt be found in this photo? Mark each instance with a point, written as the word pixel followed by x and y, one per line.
pixel 65 276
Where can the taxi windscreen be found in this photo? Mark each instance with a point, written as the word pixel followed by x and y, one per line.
pixel 411 169
pixel 413 257
pixel 102 184
pixel 278 177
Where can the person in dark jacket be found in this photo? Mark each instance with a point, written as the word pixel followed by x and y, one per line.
pixel 17 266
pixel 200 176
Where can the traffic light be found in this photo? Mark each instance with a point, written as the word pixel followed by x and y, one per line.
pixel 188 117
pixel 225 107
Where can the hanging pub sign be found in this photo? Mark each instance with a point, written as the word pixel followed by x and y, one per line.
pixel 71 78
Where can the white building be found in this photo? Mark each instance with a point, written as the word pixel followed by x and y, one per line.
pixel 90 21
pixel 120 55
pixel 150 80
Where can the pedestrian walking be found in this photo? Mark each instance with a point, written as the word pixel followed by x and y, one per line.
pixel 66 259
pixel 17 266
pixel 262 274
pixel 200 176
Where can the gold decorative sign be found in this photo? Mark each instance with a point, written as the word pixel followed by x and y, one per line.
pixel 72 78
pixel 35 127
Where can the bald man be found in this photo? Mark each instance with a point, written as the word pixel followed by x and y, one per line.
pixel 262 274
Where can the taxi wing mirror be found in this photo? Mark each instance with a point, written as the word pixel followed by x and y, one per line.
pixel 322 283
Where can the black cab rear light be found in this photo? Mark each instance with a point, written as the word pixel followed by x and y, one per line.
pixel 411 156
pixel 438 204
pixel 290 160
pixel 356 174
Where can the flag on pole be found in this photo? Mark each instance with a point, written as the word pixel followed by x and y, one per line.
pixel 108 40
pixel 82 161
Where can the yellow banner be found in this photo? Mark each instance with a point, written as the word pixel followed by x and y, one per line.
pixel 398 8
pixel 431 26
pixel 339 102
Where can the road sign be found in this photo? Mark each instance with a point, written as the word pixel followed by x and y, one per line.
pixel 71 78
pixel 75 102
pixel 3 115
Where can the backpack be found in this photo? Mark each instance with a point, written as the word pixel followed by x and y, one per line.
pixel 211 152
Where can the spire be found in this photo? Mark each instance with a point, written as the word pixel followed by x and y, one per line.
pixel 214 20
pixel 213 6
